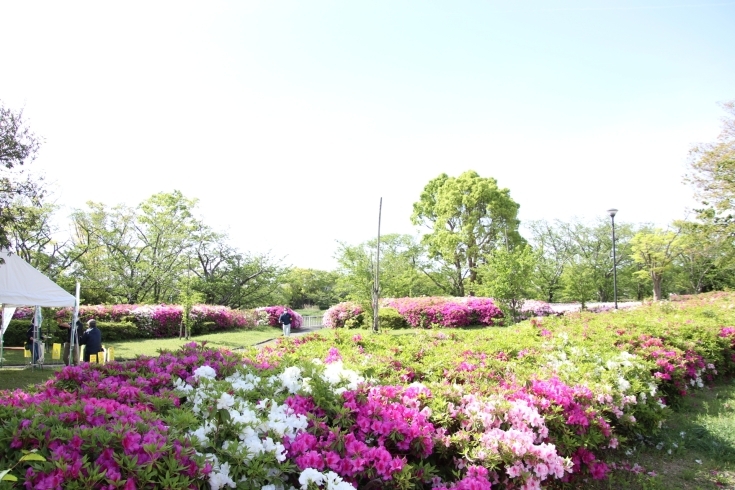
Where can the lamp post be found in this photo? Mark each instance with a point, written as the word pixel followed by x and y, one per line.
pixel 612 213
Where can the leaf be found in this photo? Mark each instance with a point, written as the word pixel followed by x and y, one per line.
pixel 5 475
pixel 32 457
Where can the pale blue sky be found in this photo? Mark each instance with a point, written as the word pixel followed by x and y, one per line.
pixel 303 114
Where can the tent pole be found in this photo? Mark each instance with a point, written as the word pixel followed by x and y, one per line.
pixel 73 328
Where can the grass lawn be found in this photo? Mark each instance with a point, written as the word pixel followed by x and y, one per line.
pixel 23 378
pixel 229 340
pixel 695 450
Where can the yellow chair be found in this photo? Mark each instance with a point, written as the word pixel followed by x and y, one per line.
pixel 56 351
pixel 110 354
pixel 93 358
pixel 26 353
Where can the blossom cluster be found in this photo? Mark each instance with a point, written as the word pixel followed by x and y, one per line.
pixel 438 311
pixel 105 426
pixel 338 315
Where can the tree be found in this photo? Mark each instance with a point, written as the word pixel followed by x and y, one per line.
pixel 507 277
pixel 226 276
pixel 706 256
pixel 138 254
pixel 165 226
pixel 400 276
pixel 656 252
pixel 554 250
pixel 32 237
pixel 18 148
pixel 310 287
pixel 243 280
pixel 579 281
pixel 469 217
pixel 712 168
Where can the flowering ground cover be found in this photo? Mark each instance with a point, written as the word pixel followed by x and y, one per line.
pixel 552 402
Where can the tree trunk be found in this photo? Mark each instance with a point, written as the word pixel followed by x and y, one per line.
pixel 657 279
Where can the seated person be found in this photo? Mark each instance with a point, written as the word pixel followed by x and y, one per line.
pixel 91 340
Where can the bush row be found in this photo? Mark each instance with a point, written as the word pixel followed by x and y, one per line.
pixel 128 322
pixel 425 312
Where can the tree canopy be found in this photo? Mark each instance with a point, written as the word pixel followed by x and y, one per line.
pixel 468 217
pixel 712 168
pixel 18 148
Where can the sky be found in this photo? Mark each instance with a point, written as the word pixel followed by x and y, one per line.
pixel 290 120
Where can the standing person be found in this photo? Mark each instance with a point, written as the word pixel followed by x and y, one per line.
pixel 35 342
pixel 285 321
pixel 67 344
pixel 91 339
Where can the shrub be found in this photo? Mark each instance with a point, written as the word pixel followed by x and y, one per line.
pixel 436 311
pixel 339 314
pixel 389 317
pixel 15 335
pixel 115 331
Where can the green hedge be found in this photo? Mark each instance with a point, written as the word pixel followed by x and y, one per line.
pixel 15 335
pixel 112 331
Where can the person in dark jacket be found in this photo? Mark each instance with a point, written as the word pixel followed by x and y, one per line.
pixel 67 345
pixel 35 343
pixel 91 340
pixel 285 321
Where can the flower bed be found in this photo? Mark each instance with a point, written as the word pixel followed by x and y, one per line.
pixel 544 403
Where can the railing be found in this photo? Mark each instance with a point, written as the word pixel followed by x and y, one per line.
pixel 312 321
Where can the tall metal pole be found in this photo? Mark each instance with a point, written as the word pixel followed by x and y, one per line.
pixel 612 213
pixel 376 282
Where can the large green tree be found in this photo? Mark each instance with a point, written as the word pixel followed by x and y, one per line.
pixel 468 217
pixel 706 257
pixel 507 278
pixel 137 255
pixel 18 148
pixel 656 252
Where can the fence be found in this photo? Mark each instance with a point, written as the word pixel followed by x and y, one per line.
pixel 312 321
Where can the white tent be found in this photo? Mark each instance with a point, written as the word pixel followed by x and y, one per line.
pixel 23 285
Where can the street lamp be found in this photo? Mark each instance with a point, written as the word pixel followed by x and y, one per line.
pixel 612 213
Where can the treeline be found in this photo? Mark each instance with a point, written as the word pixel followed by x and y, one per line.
pixel 472 245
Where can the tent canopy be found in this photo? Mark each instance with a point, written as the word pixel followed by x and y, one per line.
pixel 23 285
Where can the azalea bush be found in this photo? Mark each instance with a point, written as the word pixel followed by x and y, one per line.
pixel 437 311
pixel 343 314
